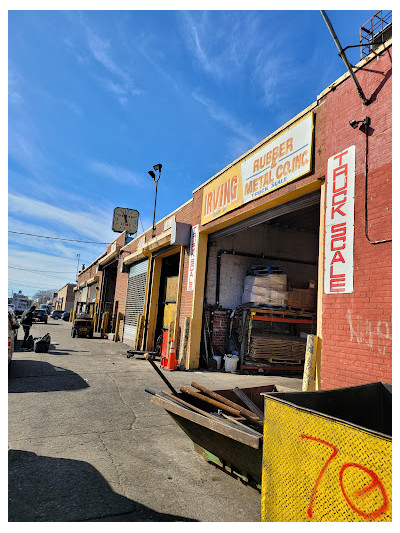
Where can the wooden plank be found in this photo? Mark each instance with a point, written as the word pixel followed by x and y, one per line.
pixel 214 425
pixel 245 399
pixel 222 399
pixel 186 327
pixel 138 330
pixel 286 320
pixel 224 407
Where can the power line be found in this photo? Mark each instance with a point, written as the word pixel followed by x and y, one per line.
pixel 31 285
pixel 40 271
pixel 56 238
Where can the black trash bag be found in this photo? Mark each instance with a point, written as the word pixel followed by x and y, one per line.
pixel 29 343
pixel 42 344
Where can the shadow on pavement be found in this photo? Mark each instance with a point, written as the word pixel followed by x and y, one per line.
pixel 48 489
pixel 38 376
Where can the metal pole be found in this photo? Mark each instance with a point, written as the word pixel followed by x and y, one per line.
pixel 77 266
pixel 155 203
pixel 342 54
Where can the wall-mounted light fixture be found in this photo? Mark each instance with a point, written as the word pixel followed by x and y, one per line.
pixel 366 121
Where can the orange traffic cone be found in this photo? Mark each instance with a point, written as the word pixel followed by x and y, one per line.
pixel 171 362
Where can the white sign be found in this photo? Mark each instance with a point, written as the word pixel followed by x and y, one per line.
pixel 284 159
pixel 168 223
pixel 194 237
pixel 339 222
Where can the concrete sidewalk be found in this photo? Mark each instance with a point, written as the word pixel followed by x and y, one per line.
pixel 87 444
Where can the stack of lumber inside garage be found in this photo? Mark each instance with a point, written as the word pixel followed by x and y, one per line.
pixel 276 348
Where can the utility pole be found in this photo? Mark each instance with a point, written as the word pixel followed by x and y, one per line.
pixel 77 266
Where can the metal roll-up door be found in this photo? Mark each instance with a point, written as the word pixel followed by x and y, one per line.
pixel 134 299
pixel 92 292
pixel 303 202
pixel 84 294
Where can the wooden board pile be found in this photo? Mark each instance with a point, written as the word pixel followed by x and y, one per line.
pixel 213 406
pixel 276 348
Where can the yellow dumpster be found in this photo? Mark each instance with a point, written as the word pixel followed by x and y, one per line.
pixel 327 455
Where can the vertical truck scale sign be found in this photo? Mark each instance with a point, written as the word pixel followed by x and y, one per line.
pixel 339 222
pixel 193 257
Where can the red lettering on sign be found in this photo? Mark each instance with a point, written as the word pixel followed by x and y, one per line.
pixel 339 156
pixel 340 229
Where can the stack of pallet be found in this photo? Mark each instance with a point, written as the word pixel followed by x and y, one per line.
pixel 276 348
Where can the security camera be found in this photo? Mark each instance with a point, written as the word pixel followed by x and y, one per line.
pixel 354 123
pixel 152 174
pixel 157 167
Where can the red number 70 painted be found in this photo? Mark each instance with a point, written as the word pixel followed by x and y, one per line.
pixel 375 483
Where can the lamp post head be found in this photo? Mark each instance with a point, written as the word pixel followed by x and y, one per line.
pixel 158 167
pixel 152 174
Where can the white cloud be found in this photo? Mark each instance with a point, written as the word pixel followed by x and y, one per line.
pixel 14 94
pixel 225 118
pixel 116 173
pixel 92 224
pixel 221 42
pixel 101 51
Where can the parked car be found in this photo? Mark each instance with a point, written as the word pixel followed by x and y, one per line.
pixel 56 314
pixel 14 322
pixel 40 315
pixel 13 326
pixel 65 316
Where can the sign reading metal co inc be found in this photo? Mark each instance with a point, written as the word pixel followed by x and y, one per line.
pixel 285 158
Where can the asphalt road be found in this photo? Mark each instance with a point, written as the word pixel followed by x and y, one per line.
pixel 87 444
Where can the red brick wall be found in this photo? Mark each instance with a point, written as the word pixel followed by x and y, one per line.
pixel 121 286
pixel 190 214
pixel 356 328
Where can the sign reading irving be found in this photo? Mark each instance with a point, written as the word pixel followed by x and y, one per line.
pixel 285 158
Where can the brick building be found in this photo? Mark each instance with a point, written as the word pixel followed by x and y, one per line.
pixel 314 197
pixel 65 297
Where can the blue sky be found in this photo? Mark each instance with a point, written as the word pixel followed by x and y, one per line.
pixel 96 98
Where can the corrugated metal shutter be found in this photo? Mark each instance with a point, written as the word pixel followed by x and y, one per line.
pixel 84 294
pixel 92 292
pixel 134 299
pixel 305 201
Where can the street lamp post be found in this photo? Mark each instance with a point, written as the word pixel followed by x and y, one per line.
pixel 156 167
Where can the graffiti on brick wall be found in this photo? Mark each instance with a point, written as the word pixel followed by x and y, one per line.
pixel 375 334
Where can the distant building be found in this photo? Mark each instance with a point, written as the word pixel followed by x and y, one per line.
pixel 64 300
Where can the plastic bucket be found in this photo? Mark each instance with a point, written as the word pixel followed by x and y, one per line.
pixel 231 362
pixel 218 359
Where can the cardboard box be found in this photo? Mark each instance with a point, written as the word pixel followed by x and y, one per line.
pixel 302 298
pixel 267 297
pixel 171 289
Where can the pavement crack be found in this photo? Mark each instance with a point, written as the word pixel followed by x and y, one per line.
pixel 122 400
pixel 114 465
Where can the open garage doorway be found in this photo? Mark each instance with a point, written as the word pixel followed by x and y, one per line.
pixel 261 287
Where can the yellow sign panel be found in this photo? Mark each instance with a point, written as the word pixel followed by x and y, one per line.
pixel 222 195
pixel 286 157
pixel 316 469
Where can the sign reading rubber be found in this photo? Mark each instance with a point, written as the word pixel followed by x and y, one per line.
pixel 285 158
pixel 339 222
